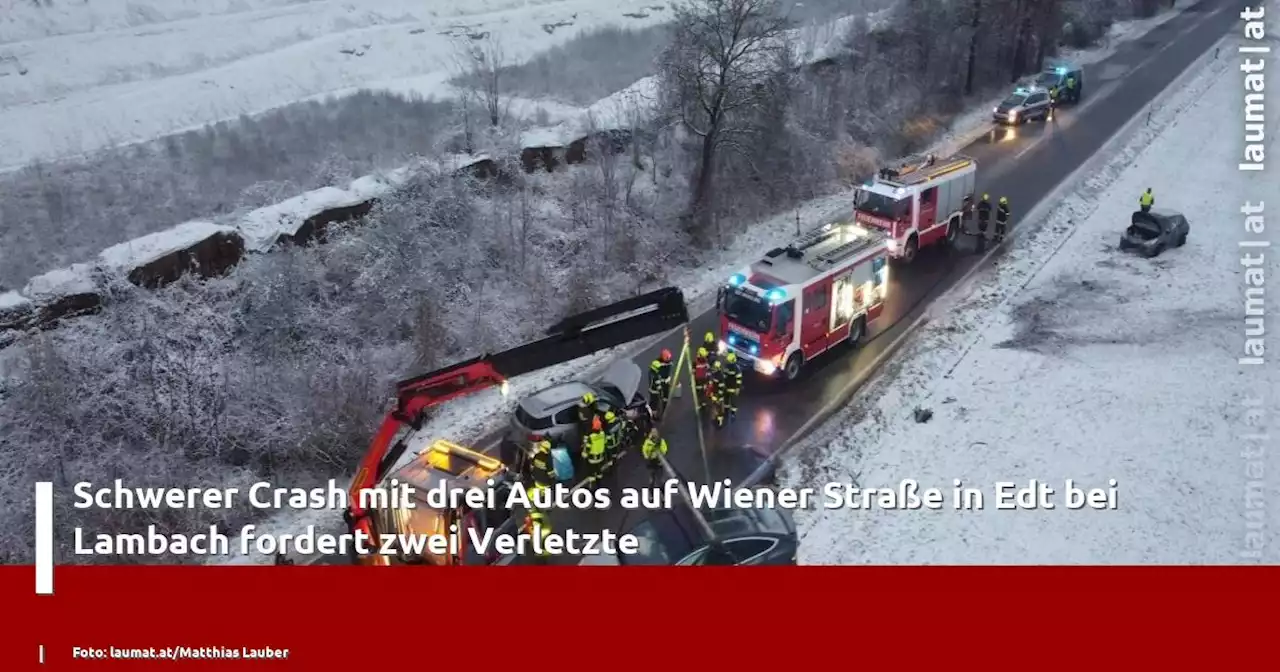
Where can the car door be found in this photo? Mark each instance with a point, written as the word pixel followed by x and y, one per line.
pixel 928 209
pixel 1037 104
pixel 815 319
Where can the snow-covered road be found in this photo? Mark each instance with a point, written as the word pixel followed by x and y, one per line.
pixel 1072 360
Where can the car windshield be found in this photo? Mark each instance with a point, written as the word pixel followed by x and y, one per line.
pixel 1048 78
pixel 1015 100
pixel 661 541
pixel 747 310
pixel 881 205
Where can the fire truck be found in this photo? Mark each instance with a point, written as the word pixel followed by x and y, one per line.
pixel 799 301
pixel 919 203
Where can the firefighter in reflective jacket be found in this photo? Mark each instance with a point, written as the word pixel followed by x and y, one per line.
pixel 538 527
pixel 615 437
pixel 586 413
pixel 702 374
pixel 1002 218
pixel 654 448
pixel 1147 200
pixel 595 451
pixel 984 215
pixel 728 384
pixel 542 472
pixel 660 382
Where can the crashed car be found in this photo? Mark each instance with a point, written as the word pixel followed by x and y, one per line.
pixel 1151 233
pixel 673 537
pixel 553 412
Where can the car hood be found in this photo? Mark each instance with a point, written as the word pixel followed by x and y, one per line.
pixel 624 376
pixel 1004 108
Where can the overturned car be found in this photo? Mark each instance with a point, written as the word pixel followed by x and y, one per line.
pixel 1153 232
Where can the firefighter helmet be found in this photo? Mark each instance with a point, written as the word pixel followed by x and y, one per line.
pixel 609 416
pixel 716 365
pixel 1004 200
pixel 666 355
pixel 702 352
pixel 731 358
pixel 986 197
pixel 588 399
pixel 709 338
pixel 595 424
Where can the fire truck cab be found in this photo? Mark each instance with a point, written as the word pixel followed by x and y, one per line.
pixel 799 301
pixel 448 467
pixel 918 204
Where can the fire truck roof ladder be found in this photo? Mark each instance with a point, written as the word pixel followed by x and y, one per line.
pixel 918 175
pixel 832 257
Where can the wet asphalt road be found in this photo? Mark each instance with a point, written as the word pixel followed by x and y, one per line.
pixel 1024 163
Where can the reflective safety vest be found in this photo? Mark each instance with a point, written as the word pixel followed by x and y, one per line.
pixel 1147 199
pixel 594 448
pixel 652 449
pixel 543 470
pixel 536 525
pixel 659 373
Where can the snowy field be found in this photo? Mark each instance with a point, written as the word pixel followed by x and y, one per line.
pixel 1072 360
pixel 76 77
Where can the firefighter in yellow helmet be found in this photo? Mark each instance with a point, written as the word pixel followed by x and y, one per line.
pixel 654 448
pixel 538 527
pixel 660 372
pixel 541 470
pixel 587 411
pixel 984 217
pixel 701 374
pixel 728 387
pixel 595 452
pixel 1147 200
pixel 1002 218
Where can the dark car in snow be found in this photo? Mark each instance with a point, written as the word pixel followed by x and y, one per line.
pixel 742 537
pixel 1151 233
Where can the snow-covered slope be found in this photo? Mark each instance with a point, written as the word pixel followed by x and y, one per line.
pixel 1072 360
pixel 77 76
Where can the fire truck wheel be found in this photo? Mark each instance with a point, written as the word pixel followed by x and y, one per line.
pixel 909 252
pixel 792 368
pixel 953 231
pixel 856 331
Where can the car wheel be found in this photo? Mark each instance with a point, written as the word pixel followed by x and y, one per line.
pixel 953 232
pixel 910 250
pixel 1182 240
pixel 793 366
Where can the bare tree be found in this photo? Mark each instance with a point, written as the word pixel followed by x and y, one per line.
pixel 485 63
pixel 717 70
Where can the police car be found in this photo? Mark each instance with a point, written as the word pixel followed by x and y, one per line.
pixel 1057 76
pixel 1024 104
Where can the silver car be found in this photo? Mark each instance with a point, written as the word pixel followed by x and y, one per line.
pixel 553 411
pixel 1022 106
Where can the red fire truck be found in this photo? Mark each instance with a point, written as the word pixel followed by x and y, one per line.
pixel 918 204
pixel 799 301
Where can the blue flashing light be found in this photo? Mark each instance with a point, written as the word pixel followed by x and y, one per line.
pixel 1061 71
pixel 737 279
pixel 1020 91
pixel 732 339
pixel 775 295
pixel 755 350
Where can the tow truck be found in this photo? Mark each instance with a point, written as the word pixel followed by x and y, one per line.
pixel 573 337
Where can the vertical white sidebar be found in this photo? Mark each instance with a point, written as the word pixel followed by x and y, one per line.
pixel 44 538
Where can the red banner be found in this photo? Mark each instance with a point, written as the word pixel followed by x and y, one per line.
pixel 320 618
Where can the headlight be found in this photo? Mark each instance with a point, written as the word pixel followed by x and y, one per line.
pixel 892 245
pixel 722 347
pixel 767 367
pixel 1013 114
pixel 995 110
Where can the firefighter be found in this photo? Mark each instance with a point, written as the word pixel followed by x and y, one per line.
pixel 729 387
pixel 538 527
pixel 595 452
pixel 709 341
pixel 701 369
pixel 615 437
pixel 1002 218
pixel 1072 94
pixel 1147 200
pixel 542 472
pixel 984 219
pixel 587 411
pixel 654 448
pixel 660 371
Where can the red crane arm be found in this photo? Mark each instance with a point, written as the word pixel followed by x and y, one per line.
pixel 577 336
